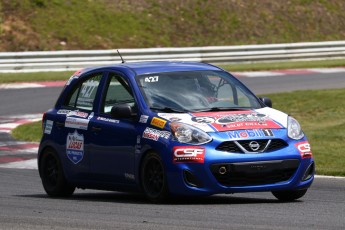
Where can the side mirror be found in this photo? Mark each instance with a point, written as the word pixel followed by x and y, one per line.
pixel 121 111
pixel 266 101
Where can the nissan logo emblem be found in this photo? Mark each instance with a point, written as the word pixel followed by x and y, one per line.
pixel 254 145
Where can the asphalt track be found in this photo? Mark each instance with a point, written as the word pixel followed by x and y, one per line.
pixel 24 205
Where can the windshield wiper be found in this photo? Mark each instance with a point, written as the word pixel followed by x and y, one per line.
pixel 217 109
pixel 168 110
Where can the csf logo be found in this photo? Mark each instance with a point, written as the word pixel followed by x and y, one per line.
pixel 183 154
pixel 304 149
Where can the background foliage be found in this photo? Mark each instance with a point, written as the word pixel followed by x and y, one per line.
pixel 106 24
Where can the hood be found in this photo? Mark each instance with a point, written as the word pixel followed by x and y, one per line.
pixel 264 118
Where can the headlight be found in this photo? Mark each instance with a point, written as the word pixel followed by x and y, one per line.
pixel 188 134
pixel 294 129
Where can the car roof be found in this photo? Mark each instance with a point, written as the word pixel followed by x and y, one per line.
pixel 160 66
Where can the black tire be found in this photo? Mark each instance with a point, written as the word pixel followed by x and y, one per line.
pixel 153 178
pixel 289 195
pixel 52 175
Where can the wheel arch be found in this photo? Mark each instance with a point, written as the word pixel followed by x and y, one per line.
pixel 41 153
pixel 141 159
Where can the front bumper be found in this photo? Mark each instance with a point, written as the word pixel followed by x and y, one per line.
pixel 224 172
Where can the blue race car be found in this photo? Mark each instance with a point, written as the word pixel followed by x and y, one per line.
pixel 170 128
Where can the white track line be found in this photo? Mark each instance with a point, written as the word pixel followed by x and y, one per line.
pixel 27 164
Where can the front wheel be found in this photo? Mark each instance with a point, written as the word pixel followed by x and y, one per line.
pixel 289 195
pixel 53 178
pixel 153 178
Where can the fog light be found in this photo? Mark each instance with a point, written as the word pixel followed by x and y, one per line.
pixel 222 170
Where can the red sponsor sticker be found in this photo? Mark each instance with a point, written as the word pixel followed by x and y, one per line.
pixel 239 120
pixel 304 149
pixel 188 154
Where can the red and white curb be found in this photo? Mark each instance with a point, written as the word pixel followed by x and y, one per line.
pixel 18 154
pixel 11 122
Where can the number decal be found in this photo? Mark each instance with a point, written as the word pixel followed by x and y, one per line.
pixel 151 79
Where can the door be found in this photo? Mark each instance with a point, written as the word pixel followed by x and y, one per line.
pixel 72 122
pixel 113 140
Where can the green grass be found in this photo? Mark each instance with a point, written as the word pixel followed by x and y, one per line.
pixel 30 77
pixel 54 76
pixel 320 112
pixel 28 132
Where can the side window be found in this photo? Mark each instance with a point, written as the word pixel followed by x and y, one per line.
pixel 118 92
pixel 83 96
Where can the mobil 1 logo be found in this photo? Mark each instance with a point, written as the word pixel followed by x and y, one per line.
pixel 250 133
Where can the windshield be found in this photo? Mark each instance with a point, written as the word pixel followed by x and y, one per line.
pixel 190 91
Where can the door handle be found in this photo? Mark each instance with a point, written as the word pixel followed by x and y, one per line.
pixel 96 129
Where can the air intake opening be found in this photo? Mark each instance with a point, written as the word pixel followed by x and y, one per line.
pixel 191 179
pixel 309 172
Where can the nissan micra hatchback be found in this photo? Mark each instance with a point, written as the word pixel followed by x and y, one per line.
pixel 170 128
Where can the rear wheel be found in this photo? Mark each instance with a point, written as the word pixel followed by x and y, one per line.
pixel 153 178
pixel 53 178
pixel 289 195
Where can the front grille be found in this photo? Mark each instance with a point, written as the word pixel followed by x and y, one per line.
pixel 254 173
pixel 243 146
pixel 276 144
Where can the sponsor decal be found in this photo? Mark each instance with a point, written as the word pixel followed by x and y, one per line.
pixel 154 134
pixel 75 147
pixel 252 133
pixel 71 79
pixel 77 73
pixel 242 117
pixel 143 118
pixel 174 119
pixel 108 120
pixel 304 149
pixel 74 76
pixel 206 120
pixel 160 123
pixel 225 121
pixel 186 154
pixel 63 111
pixel 48 126
pixel 76 123
pixel 77 114
pixel 187 119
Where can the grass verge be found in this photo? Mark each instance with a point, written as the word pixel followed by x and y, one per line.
pixel 55 76
pixel 320 112
pixel 28 132
pixel 31 77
